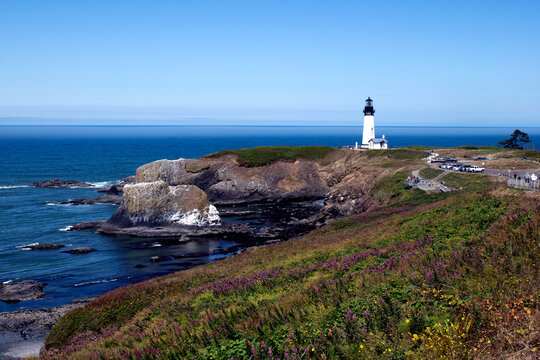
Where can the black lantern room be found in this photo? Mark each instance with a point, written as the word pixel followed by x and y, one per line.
pixel 368 109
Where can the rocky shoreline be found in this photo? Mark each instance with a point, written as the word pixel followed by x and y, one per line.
pixel 23 332
pixel 179 200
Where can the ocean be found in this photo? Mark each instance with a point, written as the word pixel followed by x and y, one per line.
pixel 104 154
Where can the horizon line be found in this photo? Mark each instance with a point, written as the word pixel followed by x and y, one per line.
pixel 224 125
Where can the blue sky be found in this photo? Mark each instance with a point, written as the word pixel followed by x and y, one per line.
pixel 473 63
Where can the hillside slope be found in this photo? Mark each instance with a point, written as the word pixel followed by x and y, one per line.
pixel 457 278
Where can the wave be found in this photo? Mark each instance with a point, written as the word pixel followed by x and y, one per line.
pixel 7 282
pixel 57 204
pixel 13 186
pixel 95 282
pixel 26 246
pixel 156 244
pixel 67 228
pixel 102 184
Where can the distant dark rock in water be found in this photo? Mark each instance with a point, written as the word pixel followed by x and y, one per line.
pixel 21 291
pixel 120 184
pixel 112 197
pixel 61 183
pixel 140 266
pixel 44 246
pixel 80 250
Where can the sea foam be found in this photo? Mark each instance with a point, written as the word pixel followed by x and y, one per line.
pixel 12 186
pixel 26 246
pixel 58 204
pixel 95 282
pixel 102 184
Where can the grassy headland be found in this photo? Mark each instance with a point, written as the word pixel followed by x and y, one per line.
pixel 263 155
pixel 425 276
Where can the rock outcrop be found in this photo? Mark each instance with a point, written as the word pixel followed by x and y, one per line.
pixel 112 197
pixel 61 183
pixel 158 203
pixel 226 182
pixel 119 185
pixel 21 291
pixel 48 246
pixel 80 250
pixel 168 197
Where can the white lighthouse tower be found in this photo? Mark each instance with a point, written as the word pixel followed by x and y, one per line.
pixel 369 141
pixel 369 123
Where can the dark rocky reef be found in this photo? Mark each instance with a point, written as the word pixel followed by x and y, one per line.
pixel 112 197
pixel 80 250
pixel 120 184
pixel 44 246
pixel 167 231
pixel 21 291
pixel 57 183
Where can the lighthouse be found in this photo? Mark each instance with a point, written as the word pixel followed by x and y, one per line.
pixel 369 141
pixel 369 123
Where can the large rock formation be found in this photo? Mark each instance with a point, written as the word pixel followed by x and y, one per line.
pixel 158 203
pixel 226 182
pixel 170 194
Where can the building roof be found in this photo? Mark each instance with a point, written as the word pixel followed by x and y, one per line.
pixel 378 140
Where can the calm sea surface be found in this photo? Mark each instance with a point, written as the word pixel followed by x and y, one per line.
pixel 105 154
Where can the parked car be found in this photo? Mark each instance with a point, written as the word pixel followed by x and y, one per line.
pixel 451 160
pixel 480 158
pixel 455 167
pixel 476 169
pixel 464 168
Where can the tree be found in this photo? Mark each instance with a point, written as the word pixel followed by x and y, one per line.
pixel 518 140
